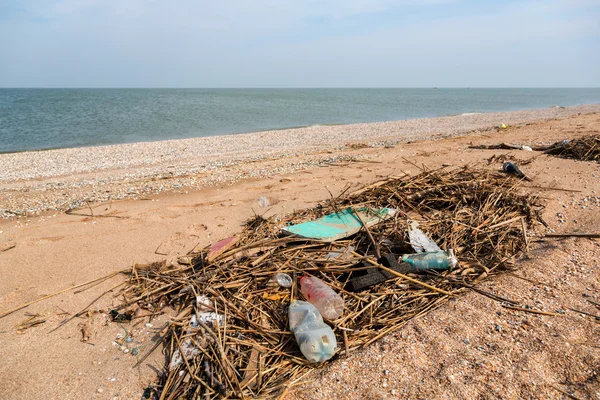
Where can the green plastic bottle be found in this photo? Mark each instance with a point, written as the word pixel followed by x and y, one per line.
pixel 438 260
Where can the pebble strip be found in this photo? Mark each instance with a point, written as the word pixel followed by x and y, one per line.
pixel 33 182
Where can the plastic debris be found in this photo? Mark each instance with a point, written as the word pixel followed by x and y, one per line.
pixel 339 225
pixel 263 202
pixel 314 337
pixel 339 254
pixel 419 241
pixel 187 349
pixel 205 313
pixel 438 260
pixel 274 297
pixel 283 280
pixel 325 299
pixel 526 148
pixel 116 316
pixel 220 247
pixel 511 168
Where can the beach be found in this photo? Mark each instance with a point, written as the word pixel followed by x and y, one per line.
pixel 69 216
pixel 33 182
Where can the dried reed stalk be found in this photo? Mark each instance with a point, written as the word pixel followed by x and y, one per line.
pixel 252 354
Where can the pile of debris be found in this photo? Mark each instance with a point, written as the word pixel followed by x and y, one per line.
pixel 231 335
pixel 586 148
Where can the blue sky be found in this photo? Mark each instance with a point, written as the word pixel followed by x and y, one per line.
pixel 294 43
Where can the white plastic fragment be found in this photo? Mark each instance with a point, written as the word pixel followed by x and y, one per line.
pixel 419 241
pixel 206 314
pixel 339 253
pixel 263 202
pixel 187 349
pixel 283 280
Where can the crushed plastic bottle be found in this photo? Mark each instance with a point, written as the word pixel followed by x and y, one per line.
pixel 439 260
pixel 329 303
pixel 314 337
pixel 283 280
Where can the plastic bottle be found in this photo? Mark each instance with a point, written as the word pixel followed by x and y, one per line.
pixel 432 260
pixel 512 168
pixel 314 337
pixel 329 303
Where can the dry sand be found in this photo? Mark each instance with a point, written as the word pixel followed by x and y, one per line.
pixel 469 348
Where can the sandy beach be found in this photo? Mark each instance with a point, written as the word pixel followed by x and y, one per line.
pixel 148 202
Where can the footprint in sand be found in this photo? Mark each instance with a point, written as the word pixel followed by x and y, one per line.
pixel 181 242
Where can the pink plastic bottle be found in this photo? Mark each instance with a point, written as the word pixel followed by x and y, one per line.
pixel 329 303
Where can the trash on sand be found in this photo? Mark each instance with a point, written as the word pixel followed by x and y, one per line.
pixel 263 202
pixel 220 247
pixel 511 168
pixel 205 314
pixel 376 276
pixel 329 303
pixel 526 148
pixel 503 126
pixel 438 260
pixel 314 337
pixel 586 148
pixel 339 225
pixel 116 316
pixel 451 201
pixel 339 254
pixel 419 240
pixel 274 296
pixel 283 280
pixel 187 350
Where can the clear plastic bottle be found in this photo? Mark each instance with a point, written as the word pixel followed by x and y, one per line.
pixel 329 303
pixel 431 260
pixel 314 337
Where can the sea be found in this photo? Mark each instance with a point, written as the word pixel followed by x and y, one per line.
pixel 39 119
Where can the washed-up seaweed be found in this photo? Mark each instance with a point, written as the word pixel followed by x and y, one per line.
pixel 586 148
pixel 245 350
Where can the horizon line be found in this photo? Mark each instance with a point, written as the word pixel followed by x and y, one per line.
pixel 301 87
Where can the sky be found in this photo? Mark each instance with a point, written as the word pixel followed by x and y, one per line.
pixel 299 43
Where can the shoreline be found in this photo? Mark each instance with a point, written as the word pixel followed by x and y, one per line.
pixel 63 179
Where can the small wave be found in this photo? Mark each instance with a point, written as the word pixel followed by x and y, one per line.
pixel 471 113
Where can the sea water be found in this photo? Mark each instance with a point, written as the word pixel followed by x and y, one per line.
pixel 37 119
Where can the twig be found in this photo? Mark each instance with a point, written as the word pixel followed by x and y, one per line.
pixel 4 314
pixel 552 188
pixel 376 246
pixel 532 311
pixel 569 395
pixel 581 235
